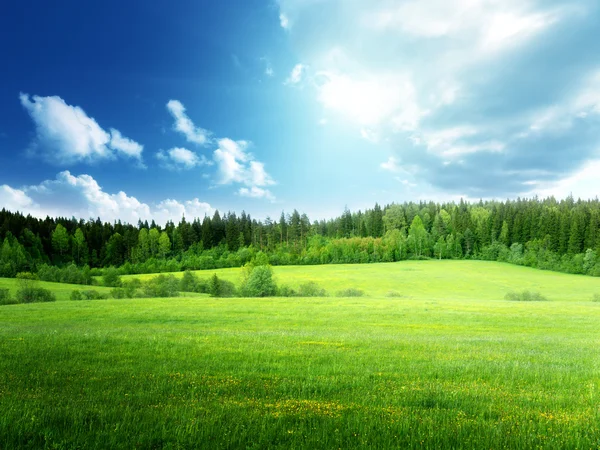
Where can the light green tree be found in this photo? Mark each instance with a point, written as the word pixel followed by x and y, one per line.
pixel 60 240
pixel 164 245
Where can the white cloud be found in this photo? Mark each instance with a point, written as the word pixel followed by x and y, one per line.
pixel 369 100
pixel 82 197
pixel 463 91
pixel 181 158
pixel 296 75
pixel 257 176
pixel 583 184
pixel 236 165
pixel 66 135
pixel 256 192
pixel 478 24
pixel 124 145
pixel 284 21
pixel 183 124
pixel 15 199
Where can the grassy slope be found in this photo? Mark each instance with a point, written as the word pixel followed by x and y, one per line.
pixel 61 290
pixel 440 370
pixel 441 280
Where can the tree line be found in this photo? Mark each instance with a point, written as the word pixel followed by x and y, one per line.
pixel 545 233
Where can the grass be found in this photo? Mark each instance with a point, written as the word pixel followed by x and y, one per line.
pixel 61 290
pixel 438 369
pixel 428 280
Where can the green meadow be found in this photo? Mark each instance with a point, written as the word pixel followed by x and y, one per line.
pixel 427 280
pixel 441 362
pixel 62 291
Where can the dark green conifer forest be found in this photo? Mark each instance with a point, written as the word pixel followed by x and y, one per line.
pixel 547 234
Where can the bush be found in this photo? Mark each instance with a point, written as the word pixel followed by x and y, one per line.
pixel 26 276
pixel 395 294
pixel 525 296
pixel 92 294
pixel 32 294
pixel 351 292
pixel 117 293
pixel 131 287
pixel 260 283
pixel 162 286
pixel 111 278
pixel 220 288
pixel 596 297
pixel 286 291
pixel 76 295
pixel 189 282
pixel 6 299
pixel 311 289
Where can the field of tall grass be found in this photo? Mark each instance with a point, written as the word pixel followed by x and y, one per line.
pixel 446 362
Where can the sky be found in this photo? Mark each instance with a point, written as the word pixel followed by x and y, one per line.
pixel 159 110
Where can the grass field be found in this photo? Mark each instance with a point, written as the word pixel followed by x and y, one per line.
pixel 428 280
pixel 451 365
pixel 61 290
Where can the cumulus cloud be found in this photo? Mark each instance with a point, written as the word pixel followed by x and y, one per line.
pixel 236 165
pixel 184 125
pixel 15 199
pixel 181 158
pixel 66 135
pixel 82 197
pixel 477 97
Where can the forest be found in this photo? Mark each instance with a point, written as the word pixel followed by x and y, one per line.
pixel 546 234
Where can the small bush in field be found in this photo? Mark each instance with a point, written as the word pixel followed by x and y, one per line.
pixel 6 299
pixel 220 288
pixel 32 294
pixel 162 286
pixel 311 289
pixel 118 293
pixel 111 277
pixel 525 296
pixel 286 291
pixel 596 298
pixel 76 295
pixel 92 294
pixel 189 282
pixel 350 292
pixel 260 283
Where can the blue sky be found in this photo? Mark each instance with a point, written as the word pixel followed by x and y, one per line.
pixel 157 109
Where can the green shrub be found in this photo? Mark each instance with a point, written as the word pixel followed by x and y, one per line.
pixel 189 282
pixel 260 283
pixel 131 287
pixel 76 295
pixel 119 293
pixel 525 296
pixel 111 278
pixel 220 288
pixel 5 298
pixel 92 294
pixel 311 289
pixel 286 291
pixel 596 297
pixel 33 294
pixel 395 294
pixel 162 286
pixel 350 292
pixel 26 276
